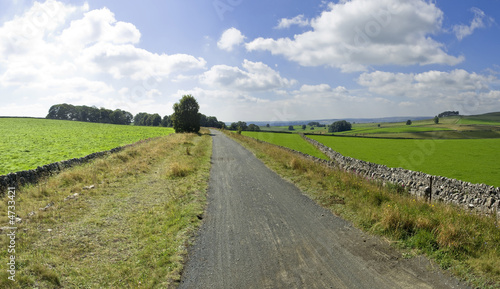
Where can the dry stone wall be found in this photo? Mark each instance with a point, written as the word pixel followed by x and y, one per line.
pixel 479 198
pixel 21 178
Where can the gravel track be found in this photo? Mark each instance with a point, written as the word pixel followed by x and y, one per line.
pixel 260 231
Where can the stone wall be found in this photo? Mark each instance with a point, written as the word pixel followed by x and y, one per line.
pixel 21 178
pixel 479 198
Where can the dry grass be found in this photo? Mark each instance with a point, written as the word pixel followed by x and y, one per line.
pixel 130 230
pixel 467 244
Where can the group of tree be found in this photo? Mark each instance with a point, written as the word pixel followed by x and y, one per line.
pixel 339 126
pixel 146 119
pixel 89 114
pixel 185 118
pixel 211 121
pixel 242 126
pixel 316 124
pixel 448 113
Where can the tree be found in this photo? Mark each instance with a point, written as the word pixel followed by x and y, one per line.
pixel 267 125
pixel 253 127
pixel 186 117
pixel 154 120
pixel 339 126
pixel 408 122
pixel 436 119
pixel 166 121
pixel 304 127
pixel 140 118
pixel 290 127
pixel 238 125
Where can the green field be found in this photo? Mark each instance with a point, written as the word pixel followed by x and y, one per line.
pixel 27 143
pixel 453 127
pixel 472 160
pixel 292 141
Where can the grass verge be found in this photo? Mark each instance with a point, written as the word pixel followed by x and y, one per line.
pixel 123 221
pixel 465 244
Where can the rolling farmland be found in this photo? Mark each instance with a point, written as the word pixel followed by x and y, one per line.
pixel 472 160
pixel 28 143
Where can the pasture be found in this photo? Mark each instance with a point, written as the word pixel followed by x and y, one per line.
pixel 27 143
pixel 453 127
pixel 292 141
pixel 472 160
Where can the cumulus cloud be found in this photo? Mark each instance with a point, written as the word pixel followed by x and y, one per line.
pixel 64 52
pixel 297 20
pixel 459 89
pixel 352 35
pixel 255 76
pixel 461 31
pixel 230 38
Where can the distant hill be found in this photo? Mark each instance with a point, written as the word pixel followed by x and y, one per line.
pixel 330 121
pixel 487 117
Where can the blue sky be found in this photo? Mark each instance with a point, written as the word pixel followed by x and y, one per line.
pixel 252 60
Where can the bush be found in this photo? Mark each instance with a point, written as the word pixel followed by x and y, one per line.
pixel 339 126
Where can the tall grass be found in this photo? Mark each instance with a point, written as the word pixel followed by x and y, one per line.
pixel 131 230
pixel 466 244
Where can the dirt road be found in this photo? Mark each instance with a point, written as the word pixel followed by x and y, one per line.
pixel 260 231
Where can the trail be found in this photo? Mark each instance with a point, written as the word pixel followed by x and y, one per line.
pixel 260 231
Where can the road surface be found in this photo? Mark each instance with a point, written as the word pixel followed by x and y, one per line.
pixel 260 231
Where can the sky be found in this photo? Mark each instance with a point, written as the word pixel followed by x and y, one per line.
pixel 252 60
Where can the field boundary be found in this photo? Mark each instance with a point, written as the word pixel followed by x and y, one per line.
pixel 478 198
pixel 21 178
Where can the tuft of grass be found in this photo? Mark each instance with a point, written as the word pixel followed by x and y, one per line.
pixel 131 230
pixel 179 170
pixel 465 243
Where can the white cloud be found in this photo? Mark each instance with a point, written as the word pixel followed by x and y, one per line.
pixel 230 38
pixel 56 52
pixel 297 20
pixel 99 26
pixel 255 76
pixel 462 31
pixel 457 89
pixel 352 35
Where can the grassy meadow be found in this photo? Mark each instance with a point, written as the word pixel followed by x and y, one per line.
pixel 472 160
pixel 291 141
pixel 27 143
pixel 131 230
pixel 465 244
pixel 454 127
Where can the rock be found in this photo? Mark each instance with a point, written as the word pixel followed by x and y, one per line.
pixel 47 207
pixel 71 197
pixel 89 187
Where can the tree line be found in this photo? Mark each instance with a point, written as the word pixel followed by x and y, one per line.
pixel 448 113
pixel 242 126
pixel 102 115
pixel 89 114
